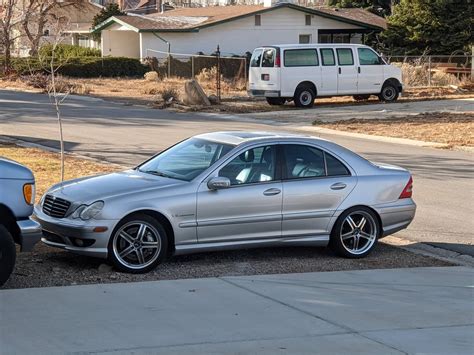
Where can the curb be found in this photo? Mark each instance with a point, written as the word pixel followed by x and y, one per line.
pixel 395 140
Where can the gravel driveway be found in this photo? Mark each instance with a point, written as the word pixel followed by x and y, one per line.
pixel 52 267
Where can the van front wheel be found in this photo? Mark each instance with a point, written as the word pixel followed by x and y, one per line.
pixel 276 101
pixel 304 97
pixel 389 93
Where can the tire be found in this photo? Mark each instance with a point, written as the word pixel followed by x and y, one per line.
pixel 346 236
pixel 389 92
pixel 361 97
pixel 304 97
pixel 127 249
pixel 276 101
pixel 7 254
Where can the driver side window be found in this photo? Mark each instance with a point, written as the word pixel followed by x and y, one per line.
pixel 252 166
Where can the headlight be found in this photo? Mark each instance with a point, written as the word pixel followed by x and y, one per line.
pixel 86 212
pixel 29 193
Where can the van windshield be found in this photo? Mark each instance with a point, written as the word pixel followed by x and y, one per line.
pixel 256 58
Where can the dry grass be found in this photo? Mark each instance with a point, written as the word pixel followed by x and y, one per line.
pixel 46 165
pixel 448 128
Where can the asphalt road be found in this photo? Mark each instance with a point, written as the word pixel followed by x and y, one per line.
pixel 443 189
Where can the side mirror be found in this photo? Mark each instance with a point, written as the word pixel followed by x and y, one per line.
pixel 218 182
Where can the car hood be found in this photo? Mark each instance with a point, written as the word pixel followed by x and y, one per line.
pixel 100 187
pixel 10 169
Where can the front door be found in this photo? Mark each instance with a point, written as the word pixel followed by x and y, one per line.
pixel 347 72
pixel 250 208
pixel 314 185
pixel 370 71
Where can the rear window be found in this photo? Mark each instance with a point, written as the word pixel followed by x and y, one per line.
pixel 268 59
pixel 256 58
pixel 301 58
pixel 335 167
pixel 344 56
pixel 327 56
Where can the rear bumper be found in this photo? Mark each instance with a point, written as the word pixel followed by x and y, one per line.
pixel 30 233
pixel 264 93
pixel 396 216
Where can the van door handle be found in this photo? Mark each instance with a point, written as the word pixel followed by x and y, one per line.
pixel 271 192
pixel 338 186
pixel 358 70
pixel 339 70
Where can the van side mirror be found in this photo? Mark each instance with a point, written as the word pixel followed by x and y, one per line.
pixel 218 182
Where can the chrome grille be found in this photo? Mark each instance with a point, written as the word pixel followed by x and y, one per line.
pixel 55 206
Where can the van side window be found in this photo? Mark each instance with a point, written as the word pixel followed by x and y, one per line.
pixel 327 56
pixel 368 57
pixel 301 58
pixel 268 59
pixel 256 58
pixel 344 56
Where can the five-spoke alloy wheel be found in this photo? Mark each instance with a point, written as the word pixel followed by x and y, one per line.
pixel 355 233
pixel 138 244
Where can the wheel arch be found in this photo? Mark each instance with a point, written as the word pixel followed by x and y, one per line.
pixel 393 81
pixel 307 83
pixel 160 218
pixel 9 221
pixel 377 215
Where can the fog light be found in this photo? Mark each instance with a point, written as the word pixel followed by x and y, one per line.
pixel 79 242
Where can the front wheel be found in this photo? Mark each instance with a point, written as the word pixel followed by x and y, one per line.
pixel 138 244
pixel 389 93
pixel 355 233
pixel 276 101
pixel 7 254
pixel 304 97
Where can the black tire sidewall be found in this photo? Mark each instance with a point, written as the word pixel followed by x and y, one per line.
pixel 7 254
pixel 298 92
pixel 394 88
pixel 163 239
pixel 335 242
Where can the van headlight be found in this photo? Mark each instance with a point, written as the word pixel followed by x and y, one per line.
pixel 86 212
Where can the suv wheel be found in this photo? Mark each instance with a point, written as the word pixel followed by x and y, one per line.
pixel 7 254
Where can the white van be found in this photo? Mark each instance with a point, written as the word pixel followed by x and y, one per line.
pixel 302 72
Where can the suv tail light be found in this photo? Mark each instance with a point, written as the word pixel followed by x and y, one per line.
pixel 407 191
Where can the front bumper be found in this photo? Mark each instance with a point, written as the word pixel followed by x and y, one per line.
pixel 30 233
pixel 76 236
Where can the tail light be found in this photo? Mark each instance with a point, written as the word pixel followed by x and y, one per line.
pixel 277 60
pixel 407 191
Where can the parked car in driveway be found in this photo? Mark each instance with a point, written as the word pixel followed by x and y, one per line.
pixel 229 190
pixel 17 196
pixel 303 72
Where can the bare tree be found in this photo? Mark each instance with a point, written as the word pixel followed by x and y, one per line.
pixel 10 16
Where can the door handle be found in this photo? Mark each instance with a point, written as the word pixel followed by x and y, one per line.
pixel 271 192
pixel 358 70
pixel 339 70
pixel 338 186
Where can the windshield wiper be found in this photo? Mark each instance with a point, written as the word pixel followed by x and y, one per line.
pixel 157 173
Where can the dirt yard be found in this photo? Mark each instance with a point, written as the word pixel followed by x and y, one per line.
pixel 234 95
pixel 448 128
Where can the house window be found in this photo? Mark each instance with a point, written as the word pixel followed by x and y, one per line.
pixel 307 20
pixel 305 39
pixel 258 20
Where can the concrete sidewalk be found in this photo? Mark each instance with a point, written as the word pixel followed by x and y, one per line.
pixel 424 310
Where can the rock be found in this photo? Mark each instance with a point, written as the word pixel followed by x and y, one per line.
pixel 214 100
pixel 151 76
pixel 194 94
pixel 104 268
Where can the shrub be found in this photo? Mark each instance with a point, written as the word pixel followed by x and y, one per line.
pixel 68 51
pixel 169 94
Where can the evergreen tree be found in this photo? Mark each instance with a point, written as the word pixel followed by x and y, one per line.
pixel 110 10
pixel 379 7
pixel 429 26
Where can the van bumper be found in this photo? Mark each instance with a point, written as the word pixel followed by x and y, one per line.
pixel 30 233
pixel 264 93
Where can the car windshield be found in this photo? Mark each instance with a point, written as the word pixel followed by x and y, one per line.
pixel 186 160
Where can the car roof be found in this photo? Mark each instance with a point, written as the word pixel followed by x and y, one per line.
pixel 240 137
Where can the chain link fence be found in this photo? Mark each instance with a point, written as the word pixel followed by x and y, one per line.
pixel 441 70
pixel 213 72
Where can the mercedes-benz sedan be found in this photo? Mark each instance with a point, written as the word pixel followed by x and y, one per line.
pixel 230 190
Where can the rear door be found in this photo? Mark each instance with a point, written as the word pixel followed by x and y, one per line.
pixel 347 72
pixel 264 74
pixel 370 71
pixel 299 64
pixel 328 72
pixel 314 185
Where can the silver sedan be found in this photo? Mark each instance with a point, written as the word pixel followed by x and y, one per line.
pixel 229 190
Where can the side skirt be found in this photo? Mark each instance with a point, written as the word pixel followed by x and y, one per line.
pixel 312 241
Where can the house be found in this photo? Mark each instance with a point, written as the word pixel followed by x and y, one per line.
pixel 236 29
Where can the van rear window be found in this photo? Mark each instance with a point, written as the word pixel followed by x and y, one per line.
pixel 301 58
pixel 256 58
pixel 268 60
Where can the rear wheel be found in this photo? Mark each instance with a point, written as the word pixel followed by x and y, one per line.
pixel 355 233
pixel 7 254
pixel 275 101
pixel 139 243
pixel 304 97
pixel 361 97
pixel 389 92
